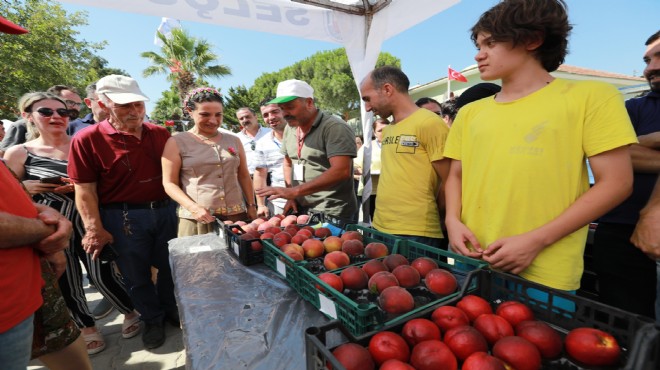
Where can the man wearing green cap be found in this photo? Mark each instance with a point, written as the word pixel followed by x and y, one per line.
pixel 318 153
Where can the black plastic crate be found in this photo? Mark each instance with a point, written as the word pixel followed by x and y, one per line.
pixel 637 336
pixel 240 248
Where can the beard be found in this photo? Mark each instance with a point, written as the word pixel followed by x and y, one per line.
pixel 650 75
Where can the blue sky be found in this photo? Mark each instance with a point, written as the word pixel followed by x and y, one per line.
pixel 608 35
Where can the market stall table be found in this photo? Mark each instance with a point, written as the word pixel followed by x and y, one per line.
pixel 235 316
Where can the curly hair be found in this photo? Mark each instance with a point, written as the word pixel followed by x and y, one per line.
pixel 201 95
pixel 524 21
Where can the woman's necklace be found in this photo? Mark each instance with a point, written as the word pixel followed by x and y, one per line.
pixel 207 138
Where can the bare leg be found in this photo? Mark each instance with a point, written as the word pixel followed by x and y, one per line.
pixel 72 357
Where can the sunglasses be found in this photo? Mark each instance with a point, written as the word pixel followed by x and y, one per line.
pixel 73 104
pixel 48 112
pixel 253 145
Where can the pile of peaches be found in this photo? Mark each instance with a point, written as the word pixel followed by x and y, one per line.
pixel 262 228
pixel 464 334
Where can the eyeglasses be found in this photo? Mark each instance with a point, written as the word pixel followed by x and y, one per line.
pixel 73 104
pixel 48 112
pixel 253 145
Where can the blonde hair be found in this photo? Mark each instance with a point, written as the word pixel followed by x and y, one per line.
pixel 25 104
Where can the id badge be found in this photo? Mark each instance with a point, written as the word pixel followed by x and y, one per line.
pixel 298 172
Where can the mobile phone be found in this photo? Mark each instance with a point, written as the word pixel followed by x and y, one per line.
pixel 52 180
pixel 108 253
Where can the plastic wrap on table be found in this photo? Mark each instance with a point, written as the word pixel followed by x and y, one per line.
pixel 233 316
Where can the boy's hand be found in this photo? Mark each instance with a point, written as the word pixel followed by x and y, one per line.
pixel 461 240
pixel 647 236
pixel 513 254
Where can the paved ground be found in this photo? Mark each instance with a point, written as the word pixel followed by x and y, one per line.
pixel 129 354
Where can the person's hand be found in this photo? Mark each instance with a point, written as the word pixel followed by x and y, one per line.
pixel 462 240
pixel 66 188
pixel 646 236
pixel 201 214
pixel 651 140
pixel 290 205
pixel 263 211
pixel 62 229
pixel 57 262
pixel 513 254
pixel 251 213
pixel 94 241
pixel 274 192
pixel 36 187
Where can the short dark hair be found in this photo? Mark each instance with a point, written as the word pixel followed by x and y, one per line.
pixel 523 21
pixel 57 89
pixel 426 100
pixel 392 75
pixel 90 90
pixel 248 109
pixel 449 109
pixel 652 39
pixel 376 119
pixel 266 101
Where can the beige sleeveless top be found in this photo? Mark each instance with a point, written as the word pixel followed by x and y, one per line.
pixel 209 174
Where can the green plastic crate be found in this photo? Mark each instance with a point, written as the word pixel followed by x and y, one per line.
pixel 290 270
pixel 360 318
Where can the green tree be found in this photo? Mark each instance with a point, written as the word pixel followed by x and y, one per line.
pixel 49 54
pixel 168 107
pixel 330 74
pixel 185 60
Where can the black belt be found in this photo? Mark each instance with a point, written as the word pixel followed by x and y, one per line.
pixel 147 205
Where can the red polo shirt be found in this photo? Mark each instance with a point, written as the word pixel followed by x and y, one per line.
pixel 124 168
pixel 20 271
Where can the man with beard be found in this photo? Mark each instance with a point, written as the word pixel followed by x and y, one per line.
pixel 413 169
pixel 269 159
pixel 318 150
pixel 627 275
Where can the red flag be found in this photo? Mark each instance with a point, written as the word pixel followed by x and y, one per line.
pixel 456 75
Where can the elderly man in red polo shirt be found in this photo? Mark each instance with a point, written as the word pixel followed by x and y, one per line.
pixel 115 166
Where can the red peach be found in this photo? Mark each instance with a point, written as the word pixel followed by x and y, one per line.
pixel 332 280
pixel 424 265
pixel 335 260
pixel 322 232
pixel 354 278
pixel 474 306
pixel 281 238
pixel 396 300
pixel 348 235
pixel 352 247
pixel 440 282
pixel 332 244
pixel 407 276
pixel 376 250
pixel 313 248
pixel 394 260
pixel 448 317
pixel 354 357
pixel 374 266
pixel 381 280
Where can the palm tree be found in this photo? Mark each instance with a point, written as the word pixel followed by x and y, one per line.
pixel 186 59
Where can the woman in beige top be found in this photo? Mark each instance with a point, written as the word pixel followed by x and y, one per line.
pixel 205 170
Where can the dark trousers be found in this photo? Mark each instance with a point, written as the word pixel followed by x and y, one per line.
pixel 626 276
pixel 141 239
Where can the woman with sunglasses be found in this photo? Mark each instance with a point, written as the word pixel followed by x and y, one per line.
pixel 42 165
pixel 205 170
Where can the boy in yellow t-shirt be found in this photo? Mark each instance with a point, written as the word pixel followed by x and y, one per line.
pixel 517 193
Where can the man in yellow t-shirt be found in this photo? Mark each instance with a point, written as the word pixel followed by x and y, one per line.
pixel 517 192
pixel 413 167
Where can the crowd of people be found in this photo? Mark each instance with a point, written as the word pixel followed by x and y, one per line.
pixel 499 174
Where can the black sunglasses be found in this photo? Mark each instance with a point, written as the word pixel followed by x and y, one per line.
pixel 48 112
pixel 253 145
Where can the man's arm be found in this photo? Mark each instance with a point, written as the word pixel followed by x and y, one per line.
pixel 647 232
pixel 646 155
pixel 87 203
pixel 613 174
pixel 441 168
pixel 460 237
pixel 340 170
pixel 258 182
pixel 20 231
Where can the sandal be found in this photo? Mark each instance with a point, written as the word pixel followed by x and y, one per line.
pixel 130 327
pixel 91 338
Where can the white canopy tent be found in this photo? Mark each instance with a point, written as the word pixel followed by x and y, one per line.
pixel 360 26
